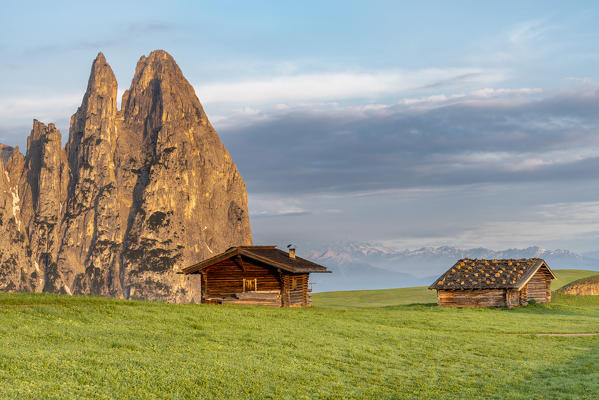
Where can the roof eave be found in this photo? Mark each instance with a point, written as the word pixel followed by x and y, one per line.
pixel 317 271
pixel 434 285
pixel 212 260
pixel 274 263
pixel 532 272
pixel 473 288
pixel 241 251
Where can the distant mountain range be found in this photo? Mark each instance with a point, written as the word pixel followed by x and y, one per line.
pixel 373 266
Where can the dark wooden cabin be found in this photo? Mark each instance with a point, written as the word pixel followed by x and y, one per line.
pixel 494 283
pixel 256 275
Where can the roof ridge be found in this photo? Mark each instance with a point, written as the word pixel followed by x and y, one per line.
pixel 501 259
pixel 257 247
pixel 269 255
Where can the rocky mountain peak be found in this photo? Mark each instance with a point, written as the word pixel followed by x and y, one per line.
pixel 136 194
pixel 43 143
pixel 94 121
pixel 100 96
pixel 160 90
pixel 6 152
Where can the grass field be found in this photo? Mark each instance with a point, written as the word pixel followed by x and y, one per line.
pixel 565 276
pixel 375 298
pixel 413 295
pixel 55 346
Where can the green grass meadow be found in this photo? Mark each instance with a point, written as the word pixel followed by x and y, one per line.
pixel 416 295
pixel 565 276
pixel 54 346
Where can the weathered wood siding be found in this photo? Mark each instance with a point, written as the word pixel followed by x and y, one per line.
pixel 472 298
pixel 226 278
pixel 295 290
pixel 524 295
pixel 512 297
pixel 539 286
pixel 272 298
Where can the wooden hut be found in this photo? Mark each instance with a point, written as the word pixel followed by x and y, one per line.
pixel 494 283
pixel 256 275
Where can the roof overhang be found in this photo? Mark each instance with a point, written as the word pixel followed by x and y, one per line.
pixel 532 272
pixel 432 287
pixel 239 251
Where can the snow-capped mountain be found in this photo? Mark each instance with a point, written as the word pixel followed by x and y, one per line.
pixel 374 266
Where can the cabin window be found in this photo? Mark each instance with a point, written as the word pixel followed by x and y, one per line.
pixel 250 285
pixel 294 283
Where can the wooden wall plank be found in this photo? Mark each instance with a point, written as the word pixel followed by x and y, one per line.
pixel 472 298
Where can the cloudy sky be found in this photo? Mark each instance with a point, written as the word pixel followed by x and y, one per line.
pixel 436 123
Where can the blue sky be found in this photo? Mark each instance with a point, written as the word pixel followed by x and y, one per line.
pixel 411 124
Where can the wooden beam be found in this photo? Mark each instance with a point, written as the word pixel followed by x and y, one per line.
pixel 239 262
pixel 204 288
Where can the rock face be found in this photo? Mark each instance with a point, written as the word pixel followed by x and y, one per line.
pixel 136 194
pixel 582 287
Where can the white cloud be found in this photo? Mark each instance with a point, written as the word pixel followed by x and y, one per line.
pixel 521 43
pixel 584 80
pixel 342 85
pixel 238 116
pixel 485 93
pixel 45 108
pixel 516 161
pixel 490 92
pixel 528 31
pixel 571 224
pixel 547 223
pixel 281 92
pixel 265 206
pixel 582 212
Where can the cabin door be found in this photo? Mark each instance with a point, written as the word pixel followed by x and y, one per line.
pixel 250 285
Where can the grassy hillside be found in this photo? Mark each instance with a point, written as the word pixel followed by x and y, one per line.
pixel 565 276
pixel 391 297
pixel 85 347
pixel 594 279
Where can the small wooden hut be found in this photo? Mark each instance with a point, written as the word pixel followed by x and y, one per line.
pixel 256 275
pixel 494 283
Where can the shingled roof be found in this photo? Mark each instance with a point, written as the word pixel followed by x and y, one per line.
pixel 489 274
pixel 269 255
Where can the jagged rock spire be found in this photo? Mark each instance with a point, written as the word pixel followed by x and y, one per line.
pixel 159 89
pixel 188 186
pixel 136 194
pixel 43 191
